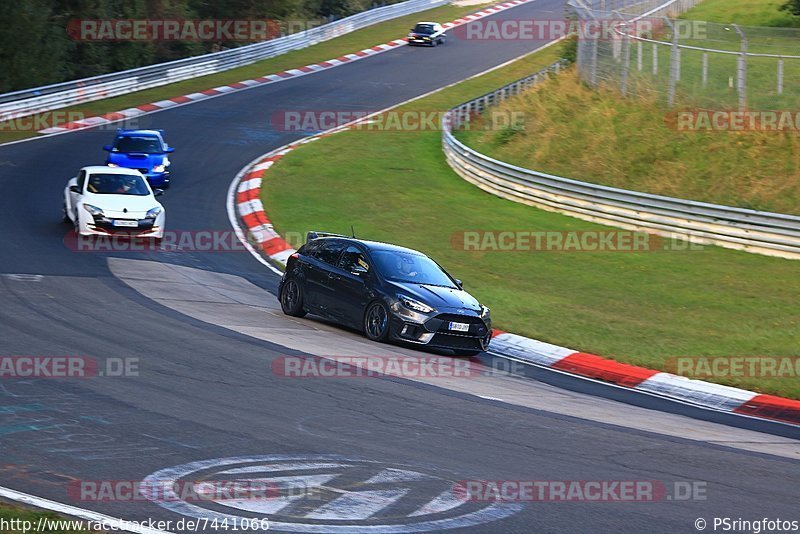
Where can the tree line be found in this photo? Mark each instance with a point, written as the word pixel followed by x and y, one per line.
pixel 39 44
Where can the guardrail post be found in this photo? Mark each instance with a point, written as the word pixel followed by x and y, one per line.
pixel 626 62
pixel 705 69
pixel 674 66
pixel 639 54
pixel 655 59
pixel 741 70
pixel 780 76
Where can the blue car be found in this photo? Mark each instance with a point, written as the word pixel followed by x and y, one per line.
pixel 143 150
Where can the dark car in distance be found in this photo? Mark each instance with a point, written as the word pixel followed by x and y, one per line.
pixel 391 293
pixel 427 33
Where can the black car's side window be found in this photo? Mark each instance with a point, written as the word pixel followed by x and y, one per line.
pixel 329 252
pixel 309 249
pixel 353 259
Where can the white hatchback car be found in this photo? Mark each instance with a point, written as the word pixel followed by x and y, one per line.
pixel 112 201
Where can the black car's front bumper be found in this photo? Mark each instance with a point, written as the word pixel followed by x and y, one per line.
pixel 433 330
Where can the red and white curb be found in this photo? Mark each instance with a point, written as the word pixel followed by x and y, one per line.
pixel 266 241
pixel 153 107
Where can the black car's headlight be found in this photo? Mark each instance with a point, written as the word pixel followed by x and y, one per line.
pixel 414 305
pixel 485 313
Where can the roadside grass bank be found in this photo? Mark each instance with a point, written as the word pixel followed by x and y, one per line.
pixel 598 136
pixel 642 308
pixel 346 44
pixel 744 12
pixel 14 517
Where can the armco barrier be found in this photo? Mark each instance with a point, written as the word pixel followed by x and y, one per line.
pixel 772 234
pixel 40 99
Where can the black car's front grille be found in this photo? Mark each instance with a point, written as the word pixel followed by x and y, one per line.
pixel 456 342
pixel 441 323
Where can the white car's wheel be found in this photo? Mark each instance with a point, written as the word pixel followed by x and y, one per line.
pixel 64 217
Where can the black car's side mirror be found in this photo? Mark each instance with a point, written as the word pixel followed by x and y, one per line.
pixel 158 192
pixel 459 283
pixel 169 150
pixel 107 148
pixel 75 189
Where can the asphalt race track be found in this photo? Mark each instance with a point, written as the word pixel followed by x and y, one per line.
pixel 206 403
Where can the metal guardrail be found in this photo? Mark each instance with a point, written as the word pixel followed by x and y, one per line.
pixel 772 234
pixel 30 101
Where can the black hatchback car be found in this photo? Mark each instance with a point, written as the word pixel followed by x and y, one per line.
pixel 386 291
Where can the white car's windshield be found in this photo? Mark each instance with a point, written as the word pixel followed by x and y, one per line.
pixel 117 184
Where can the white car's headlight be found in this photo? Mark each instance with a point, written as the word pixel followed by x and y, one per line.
pixel 415 305
pixel 153 213
pixel 112 164
pixel 159 168
pixel 93 210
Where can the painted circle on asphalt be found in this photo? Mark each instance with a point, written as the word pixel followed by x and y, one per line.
pixel 326 493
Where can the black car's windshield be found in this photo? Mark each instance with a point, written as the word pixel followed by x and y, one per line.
pixel 399 266
pixel 117 184
pixel 147 145
pixel 424 28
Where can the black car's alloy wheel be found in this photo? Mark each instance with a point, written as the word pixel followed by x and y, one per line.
pixel 376 322
pixel 292 299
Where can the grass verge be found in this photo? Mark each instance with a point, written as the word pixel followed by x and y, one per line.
pixel 346 44
pixel 597 135
pixel 18 518
pixel 744 12
pixel 642 308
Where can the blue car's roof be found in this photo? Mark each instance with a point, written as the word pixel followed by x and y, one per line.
pixel 139 133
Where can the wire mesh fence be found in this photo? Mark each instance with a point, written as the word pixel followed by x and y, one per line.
pixel 645 51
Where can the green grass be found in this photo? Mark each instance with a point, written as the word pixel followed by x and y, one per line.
pixel 641 308
pixel 346 44
pixel 744 12
pixel 602 137
pixel 10 512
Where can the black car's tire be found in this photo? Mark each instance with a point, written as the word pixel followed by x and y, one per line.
pixel 292 298
pixel 376 322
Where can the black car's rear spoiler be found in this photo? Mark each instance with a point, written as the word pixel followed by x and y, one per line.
pixel 310 236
